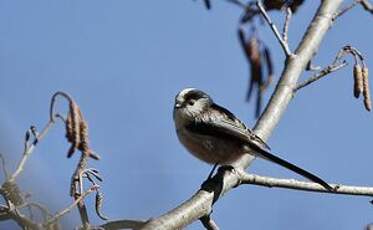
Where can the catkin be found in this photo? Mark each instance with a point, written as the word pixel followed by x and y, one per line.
pixel 98 205
pixel 358 80
pixel 366 91
pixel 77 132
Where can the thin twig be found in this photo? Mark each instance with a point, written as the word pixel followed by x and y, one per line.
pixel 285 31
pixel 364 3
pixel 345 9
pixel 280 39
pixel 247 178
pixel 29 149
pixel 367 5
pixel 329 69
pixel 336 65
pixel 68 209
pixel 77 183
pixel 52 114
pixel 43 209
pixel 5 171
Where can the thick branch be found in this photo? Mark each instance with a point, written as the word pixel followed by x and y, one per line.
pixel 200 204
pixel 247 178
pixel 123 224
pixel 23 221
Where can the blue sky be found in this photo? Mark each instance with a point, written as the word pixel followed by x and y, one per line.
pixel 124 61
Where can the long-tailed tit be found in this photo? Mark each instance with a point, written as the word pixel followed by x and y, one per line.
pixel 214 135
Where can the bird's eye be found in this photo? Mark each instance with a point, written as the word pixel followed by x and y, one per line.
pixel 191 102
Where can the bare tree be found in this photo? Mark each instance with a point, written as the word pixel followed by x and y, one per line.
pixel 200 205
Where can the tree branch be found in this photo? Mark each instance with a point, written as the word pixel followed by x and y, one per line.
pixel 123 224
pixel 329 69
pixel 346 9
pixel 29 149
pixel 200 204
pixel 23 221
pixel 285 30
pixel 68 209
pixel 76 182
pixel 280 39
pixel 271 182
pixel 364 3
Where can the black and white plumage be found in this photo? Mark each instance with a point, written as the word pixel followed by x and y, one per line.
pixel 214 135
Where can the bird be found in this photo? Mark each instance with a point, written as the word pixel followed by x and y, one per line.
pixel 216 136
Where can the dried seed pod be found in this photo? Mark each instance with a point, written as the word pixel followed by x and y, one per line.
pixel 259 59
pixel 84 144
pixel 98 205
pixel 70 135
pixel 75 122
pixel 77 132
pixel 73 127
pixel 256 68
pixel 268 61
pixel 366 91
pixel 358 80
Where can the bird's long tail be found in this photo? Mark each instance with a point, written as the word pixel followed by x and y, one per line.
pixel 263 153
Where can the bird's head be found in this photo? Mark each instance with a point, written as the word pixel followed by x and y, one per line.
pixel 191 102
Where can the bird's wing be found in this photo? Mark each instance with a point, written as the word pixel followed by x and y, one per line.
pixel 231 131
pixel 227 117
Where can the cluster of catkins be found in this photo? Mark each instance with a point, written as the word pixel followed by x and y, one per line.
pixel 77 132
pixel 361 84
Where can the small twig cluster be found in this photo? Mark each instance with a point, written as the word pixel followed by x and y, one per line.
pixel 256 52
pixel 77 136
pixel 360 74
pixel 76 127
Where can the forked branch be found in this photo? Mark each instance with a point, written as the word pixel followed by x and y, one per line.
pixel 200 204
